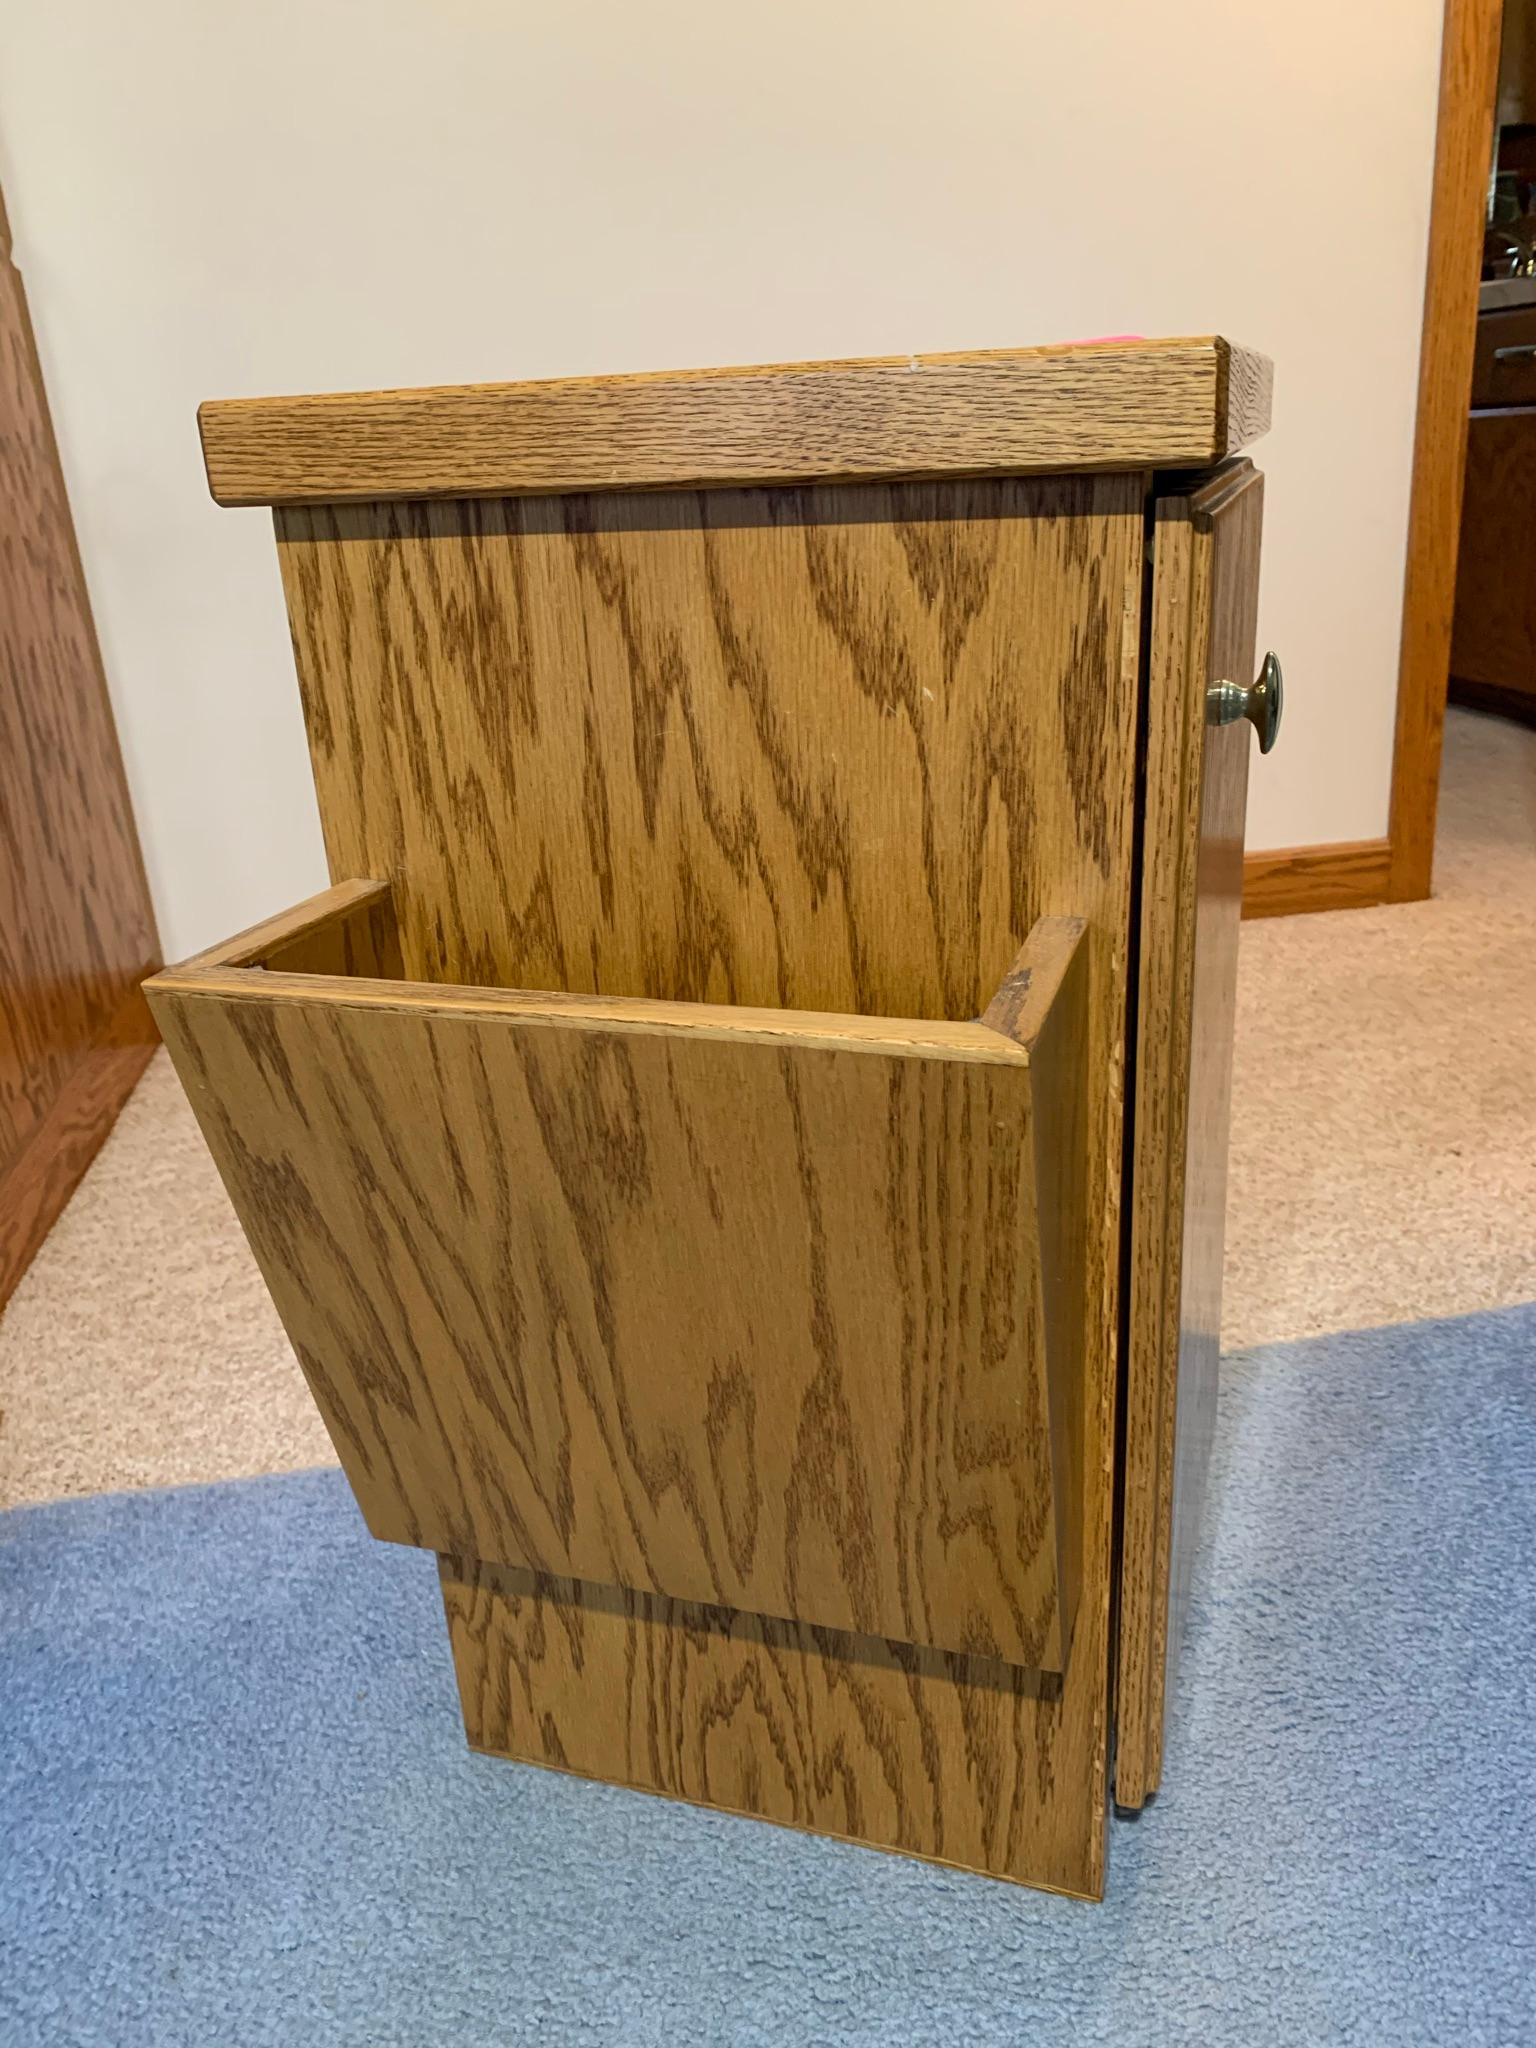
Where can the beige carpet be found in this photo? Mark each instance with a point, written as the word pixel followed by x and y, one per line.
pixel 1384 1168
pixel 1384 1115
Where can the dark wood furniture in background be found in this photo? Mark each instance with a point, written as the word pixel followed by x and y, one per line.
pixel 1493 635
pixel 1517 65
pixel 77 934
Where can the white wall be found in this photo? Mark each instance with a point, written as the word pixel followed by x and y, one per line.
pixel 212 198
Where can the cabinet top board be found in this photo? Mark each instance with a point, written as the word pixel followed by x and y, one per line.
pixel 1174 404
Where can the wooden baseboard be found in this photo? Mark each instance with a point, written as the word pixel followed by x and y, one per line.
pixel 46 1172
pixel 1351 876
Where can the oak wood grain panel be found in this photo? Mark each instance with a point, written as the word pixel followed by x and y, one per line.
pixel 38 1178
pixel 76 931
pixel 1469 62
pixel 999 412
pixel 487 1237
pixel 831 749
pixel 1200 1198
pixel 952 1758
pixel 1204 597
pixel 1044 1007
pixel 1177 658
pixel 828 750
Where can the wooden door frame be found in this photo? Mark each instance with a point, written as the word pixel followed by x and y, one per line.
pixel 1469 66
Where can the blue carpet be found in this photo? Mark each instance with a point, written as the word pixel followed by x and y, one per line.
pixel 235 1806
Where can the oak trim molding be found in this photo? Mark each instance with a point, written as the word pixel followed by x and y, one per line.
pixel 1468 78
pixel 1178 403
pixel 1349 876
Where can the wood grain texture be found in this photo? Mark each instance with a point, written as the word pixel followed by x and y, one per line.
pixel 835 750
pixel 1178 653
pixel 945 1757
pixel 349 929
pixel 1200 1201
pixel 1134 405
pixel 1493 636
pixel 76 931
pixel 638 1016
pixel 1351 875
pixel 1204 596
pixel 831 751
pixel 38 1178
pixel 1043 1006
pixel 1463 150
pixel 826 750
pixel 858 1421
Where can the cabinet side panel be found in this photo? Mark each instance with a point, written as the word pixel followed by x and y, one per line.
pixel 1170 841
pixel 1188 1431
pixel 1205 585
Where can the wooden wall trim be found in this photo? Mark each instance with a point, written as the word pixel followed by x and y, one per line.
pixel 1349 876
pixel 1468 80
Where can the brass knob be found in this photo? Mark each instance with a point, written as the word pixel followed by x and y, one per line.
pixel 1261 704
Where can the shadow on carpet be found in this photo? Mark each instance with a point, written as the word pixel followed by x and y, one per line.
pixel 236 1807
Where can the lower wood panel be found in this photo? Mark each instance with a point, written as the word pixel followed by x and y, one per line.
pixel 893 1746
pixel 39 1179
pixel 76 931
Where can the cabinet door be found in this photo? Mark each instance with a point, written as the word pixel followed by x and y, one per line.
pixel 1493 633
pixel 1205 563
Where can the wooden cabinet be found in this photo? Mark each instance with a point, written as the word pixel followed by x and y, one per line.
pixel 782 874
pixel 1493 631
